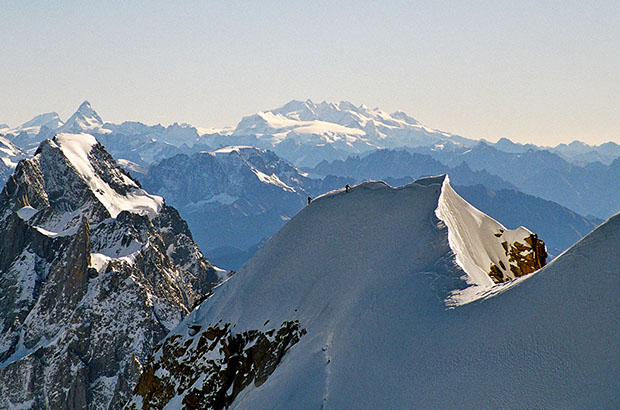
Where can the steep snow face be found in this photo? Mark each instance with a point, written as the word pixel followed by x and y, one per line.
pixel 479 242
pixel 350 294
pixel 126 196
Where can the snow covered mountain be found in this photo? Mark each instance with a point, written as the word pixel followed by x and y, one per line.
pixel 10 155
pixel 130 140
pixel 244 194
pixel 50 120
pixel 306 133
pixel 85 119
pixel 28 135
pixel 346 307
pixel 94 272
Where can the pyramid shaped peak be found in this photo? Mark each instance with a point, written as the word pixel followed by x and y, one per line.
pixel 85 119
pixel 87 110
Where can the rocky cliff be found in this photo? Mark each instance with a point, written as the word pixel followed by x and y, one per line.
pixel 94 272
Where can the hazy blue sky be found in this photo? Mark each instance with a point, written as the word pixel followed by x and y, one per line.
pixel 540 71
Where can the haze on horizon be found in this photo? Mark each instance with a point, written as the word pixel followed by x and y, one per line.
pixel 541 72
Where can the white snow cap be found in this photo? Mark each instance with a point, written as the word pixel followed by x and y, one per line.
pixel 77 147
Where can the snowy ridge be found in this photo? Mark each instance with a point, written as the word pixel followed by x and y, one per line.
pixel 358 281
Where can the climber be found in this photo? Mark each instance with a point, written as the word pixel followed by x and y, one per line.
pixel 346 188
pixel 309 200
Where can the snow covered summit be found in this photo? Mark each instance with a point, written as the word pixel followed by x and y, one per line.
pixel 342 307
pixel 85 119
pixel 306 133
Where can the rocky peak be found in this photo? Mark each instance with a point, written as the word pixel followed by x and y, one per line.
pixel 98 271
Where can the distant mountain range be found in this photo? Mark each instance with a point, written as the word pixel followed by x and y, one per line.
pixel 588 189
pixel 303 132
pixel 223 190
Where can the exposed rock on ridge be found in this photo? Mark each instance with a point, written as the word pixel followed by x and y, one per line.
pixel 213 366
pixel 523 258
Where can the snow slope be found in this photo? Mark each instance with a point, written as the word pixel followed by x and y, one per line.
pixel 367 275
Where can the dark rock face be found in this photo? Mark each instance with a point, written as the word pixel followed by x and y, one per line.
pixel 85 296
pixel 210 367
pixel 523 258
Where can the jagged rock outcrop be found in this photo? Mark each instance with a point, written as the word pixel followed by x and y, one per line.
pixel 94 272
pixel 212 365
pixel 523 258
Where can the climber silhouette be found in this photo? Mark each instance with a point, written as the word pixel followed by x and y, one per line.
pixel 309 200
pixel 346 188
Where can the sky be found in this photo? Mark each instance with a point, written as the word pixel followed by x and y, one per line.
pixel 534 71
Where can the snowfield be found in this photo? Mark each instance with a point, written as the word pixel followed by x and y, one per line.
pixel 369 273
